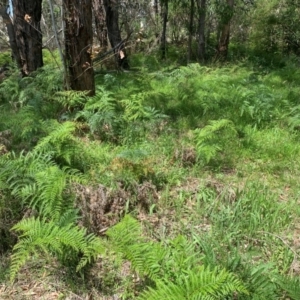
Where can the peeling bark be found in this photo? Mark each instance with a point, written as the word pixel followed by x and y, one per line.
pixel 26 19
pixel 114 33
pixel 78 43
pixel 101 29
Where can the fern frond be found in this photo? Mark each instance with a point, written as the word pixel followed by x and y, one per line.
pixel 291 286
pixel 209 139
pixel 200 283
pixel 10 90
pixel 94 247
pixel 100 111
pixel 145 257
pixel 260 282
pixel 70 99
pixel 126 232
pixel 60 141
pixel 135 108
pixel 47 237
pixel 37 181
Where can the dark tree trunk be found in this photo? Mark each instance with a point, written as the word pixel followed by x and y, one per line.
pixel 114 34
pixel 191 29
pixel 155 7
pixel 12 37
pixel 201 32
pixel 101 29
pixel 78 42
pixel 27 17
pixel 223 43
pixel 164 15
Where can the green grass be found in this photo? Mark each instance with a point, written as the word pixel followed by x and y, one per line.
pixel 207 153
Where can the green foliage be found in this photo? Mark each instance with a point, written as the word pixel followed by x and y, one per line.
pixel 261 282
pixel 102 114
pixel 173 267
pixel 10 91
pixel 177 271
pixel 201 283
pixel 218 237
pixel 214 138
pixel 145 257
pixel 39 183
pixel 5 57
pixel 135 108
pixel 70 99
pixel 255 209
pixel 290 285
pixel 45 237
pixel 111 119
pixel 61 143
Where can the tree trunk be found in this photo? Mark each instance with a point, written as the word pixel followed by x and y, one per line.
pixel 12 37
pixel 164 14
pixel 201 32
pixel 155 7
pixel 78 43
pixel 222 48
pixel 114 34
pixel 100 23
pixel 191 29
pixel 26 18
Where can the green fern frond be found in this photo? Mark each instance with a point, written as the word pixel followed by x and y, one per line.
pixel 145 257
pixel 102 101
pixel 47 237
pixel 209 139
pixel 57 134
pixel 70 99
pixel 260 281
pixel 60 141
pixel 126 232
pixel 200 283
pixel 135 108
pixel 10 89
pixel 290 285
pixel 94 247
pixel 100 111
pixel 38 182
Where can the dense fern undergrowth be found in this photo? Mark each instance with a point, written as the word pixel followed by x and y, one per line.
pixel 171 182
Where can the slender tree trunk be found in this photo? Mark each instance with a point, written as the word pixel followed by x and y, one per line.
pixel 26 18
pixel 155 7
pixel 191 30
pixel 114 34
pixel 201 30
pixel 164 14
pixel 223 43
pixel 58 44
pixel 101 29
pixel 78 43
pixel 12 37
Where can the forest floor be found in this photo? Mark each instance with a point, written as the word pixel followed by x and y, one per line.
pixel 208 153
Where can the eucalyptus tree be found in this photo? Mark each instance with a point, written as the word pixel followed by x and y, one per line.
pixel 26 16
pixel 226 13
pixel 100 24
pixel 78 44
pixel 164 16
pixel 191 29
pixel 6 14
pixel 201 30
pixel 114 33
